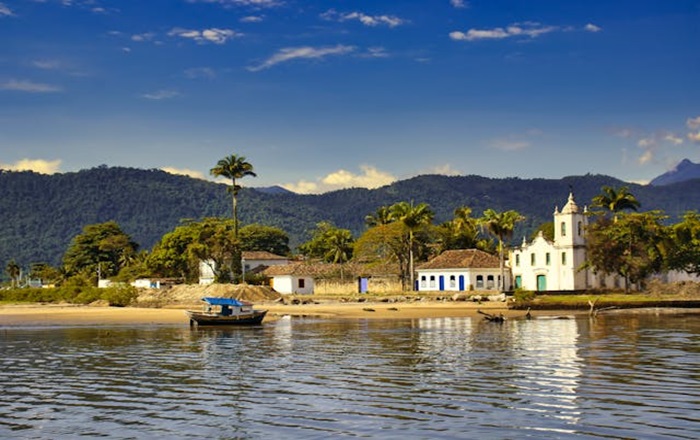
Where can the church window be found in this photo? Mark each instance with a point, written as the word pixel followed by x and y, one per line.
pixel 453 281
pixel 432 281
pixel 517 260
pixel 563 229
pixel 563 258
pixel 532 259
pixel 547 258
pixel 580 228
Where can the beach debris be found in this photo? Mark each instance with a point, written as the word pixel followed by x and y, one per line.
pixel 493 318
pixel 368 309
pixel 393 309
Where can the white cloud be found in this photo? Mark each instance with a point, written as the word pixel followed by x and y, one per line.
pixel 37 165
pixel 306 52
pixel 184 172
pixel 243 3
pixel 213 35
pixel 252 19
pixel 161 94
pixel 47 64
pixel 590 27
pixel 146 36
pixel 28 86
pixel 526 29
pixel 693 123
pixel 646 157
pixel 5 11
pixel 694 137
pixel 370 177
pixel 443 170
pixel 460 4
pixel 367 20
pixel 672 138
pixel 200 72
pixel 375 52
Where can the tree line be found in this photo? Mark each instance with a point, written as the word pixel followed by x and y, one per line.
pixel 621 241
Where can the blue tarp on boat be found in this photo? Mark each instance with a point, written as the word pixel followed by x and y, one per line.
pixel 223 301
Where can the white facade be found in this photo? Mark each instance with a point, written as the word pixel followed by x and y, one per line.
pixel 461 270
pixel 292 284
pixel 542 265
pixel 251 260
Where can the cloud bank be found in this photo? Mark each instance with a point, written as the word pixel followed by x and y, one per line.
pixel 37 165
pixel 369 177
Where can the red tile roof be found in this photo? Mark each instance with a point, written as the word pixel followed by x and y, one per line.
pixel 262 255
pixel 462 259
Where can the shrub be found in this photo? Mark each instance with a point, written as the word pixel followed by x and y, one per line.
pixel 522 295
pixel 120 296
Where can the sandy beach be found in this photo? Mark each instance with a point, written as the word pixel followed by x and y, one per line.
pixel 70 315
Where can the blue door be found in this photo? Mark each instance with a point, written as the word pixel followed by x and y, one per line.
pixel 461 282
pixel 442 283
pixel 364 285
pixel 541 283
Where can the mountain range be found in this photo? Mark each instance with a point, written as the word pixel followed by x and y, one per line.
pixel 40 214
pixel 684 171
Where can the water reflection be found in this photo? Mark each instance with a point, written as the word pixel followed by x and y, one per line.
pixel 616 376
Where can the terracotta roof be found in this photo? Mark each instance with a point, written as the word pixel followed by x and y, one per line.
pixel 462 259
pixel 262 255
pixel 319 270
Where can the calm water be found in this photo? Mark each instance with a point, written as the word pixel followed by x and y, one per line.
pixel 618 376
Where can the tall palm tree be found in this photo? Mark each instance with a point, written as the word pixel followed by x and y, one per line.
pixel 413 217
pixel 340 246
pixel 615 201
pixel 14 271
pixel 381 217
pixel 233 167
pixel 501 226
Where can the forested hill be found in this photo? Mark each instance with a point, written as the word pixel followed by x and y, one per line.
pixel 39 214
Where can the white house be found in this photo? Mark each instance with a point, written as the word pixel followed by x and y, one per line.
pixel 295 278
pixel 542 265
pixel 251 261
pixel 460 270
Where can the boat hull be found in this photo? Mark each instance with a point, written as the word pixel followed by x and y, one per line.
pixel 203 318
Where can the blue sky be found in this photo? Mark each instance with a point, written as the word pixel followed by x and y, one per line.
pixel 321 95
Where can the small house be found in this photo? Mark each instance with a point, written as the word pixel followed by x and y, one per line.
pixel 251 262
pixel 460 270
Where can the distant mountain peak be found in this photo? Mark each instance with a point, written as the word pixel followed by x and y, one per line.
pixel 685 170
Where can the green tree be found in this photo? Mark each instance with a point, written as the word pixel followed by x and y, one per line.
pixel 46 273
pixel 101 247
pixel 235 168
pixel 413 218
pixel 382 216
pixel 214 244
pixel 170 257
pixel 634 247
pixel 615 201
pixel 329 243
pixel 462 232
pixel 685 249
pixel 501 225
pixel 13 271
pixel 255 237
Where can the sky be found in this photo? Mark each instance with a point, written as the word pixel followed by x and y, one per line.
pixel 324 95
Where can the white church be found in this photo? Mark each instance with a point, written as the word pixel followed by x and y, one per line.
pixel 543 265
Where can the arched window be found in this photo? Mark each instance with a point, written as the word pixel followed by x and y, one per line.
pixel 563 229
pixel 580 228
pixel 422 281
pixel 432 281
pixel 489 282
pixel 479 281
pixel 453 281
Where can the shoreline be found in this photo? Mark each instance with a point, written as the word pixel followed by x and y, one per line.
pixel 33 315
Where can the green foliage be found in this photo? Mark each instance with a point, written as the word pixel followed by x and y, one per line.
pixel 614 201
pixel 633 246
pixel 121 295
pixel 235 168
pixel 547 230
pixel 256 237
pixel 102 247
pixel 40 214
pixel 329 243
pixel 684 253
pixel 521 295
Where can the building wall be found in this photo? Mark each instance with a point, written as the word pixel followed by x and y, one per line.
pixel 474 279
pixel 291 284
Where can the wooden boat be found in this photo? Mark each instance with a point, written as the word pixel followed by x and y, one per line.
pixel 226 311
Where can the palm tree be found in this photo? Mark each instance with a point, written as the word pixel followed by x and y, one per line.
pixel 14 271
pixel 500 225
pixel 340 246
pixel 616 201
pixel 413 218
pixel 381 217
pixel 233 167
